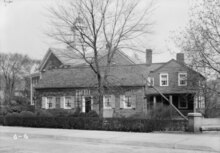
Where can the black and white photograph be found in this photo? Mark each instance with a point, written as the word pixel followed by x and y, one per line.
pixel 109 76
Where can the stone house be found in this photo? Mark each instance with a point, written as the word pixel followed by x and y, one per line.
pixel 133 88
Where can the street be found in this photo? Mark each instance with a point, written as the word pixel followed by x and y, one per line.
pixel 9 145
pixel 34 140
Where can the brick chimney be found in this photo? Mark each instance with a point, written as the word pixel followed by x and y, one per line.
pixel 148 57
pixel 180 57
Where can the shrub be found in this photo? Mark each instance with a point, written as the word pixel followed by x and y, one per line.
pixel 43 113
pixel 4 110
pixel 92 114
pixel 58 112
pixel 160 112
pixel 13 119
pixel 27 114
pixel 2 120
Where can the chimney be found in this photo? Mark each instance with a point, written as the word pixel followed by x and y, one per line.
pixel 148 57
pixel 180 57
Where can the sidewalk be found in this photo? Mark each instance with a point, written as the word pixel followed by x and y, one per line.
pixel 201 142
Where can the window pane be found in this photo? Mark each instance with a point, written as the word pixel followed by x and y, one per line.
pixel 68 102
pixel 128 101
pixel 107 101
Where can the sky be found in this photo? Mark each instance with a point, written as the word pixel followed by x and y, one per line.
pixel 23 24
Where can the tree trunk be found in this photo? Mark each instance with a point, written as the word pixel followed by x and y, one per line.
pixel 100 94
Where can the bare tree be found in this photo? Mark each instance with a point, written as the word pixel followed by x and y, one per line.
pixel 13 67
pixel 200 41
pixel 201 38
pixel 92 28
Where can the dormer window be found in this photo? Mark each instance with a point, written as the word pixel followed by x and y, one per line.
pixel 164 80
pixel 182 79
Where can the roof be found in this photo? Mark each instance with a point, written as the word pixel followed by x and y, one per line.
pixel 123 75
pixel 69 57
pixel 181 64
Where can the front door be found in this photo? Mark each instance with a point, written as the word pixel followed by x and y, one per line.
pixel 57 102
pixel 88 104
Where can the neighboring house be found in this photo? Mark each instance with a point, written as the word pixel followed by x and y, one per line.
pixel 69 84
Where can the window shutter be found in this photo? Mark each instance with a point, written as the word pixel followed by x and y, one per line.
pixel 44 102
pixel 104 101
pixel 72 101
pixel 133 102
pixel 53 102
pixel 113 101
pixel 122 100
pixel 62 102
pixel 83 105
pixel 92 103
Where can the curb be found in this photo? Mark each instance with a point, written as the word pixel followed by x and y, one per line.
pixel 114 142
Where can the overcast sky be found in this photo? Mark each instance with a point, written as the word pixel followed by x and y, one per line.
pixel 23 23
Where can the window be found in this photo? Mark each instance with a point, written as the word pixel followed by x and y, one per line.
pixel 164 79
pixel 68 102
pixel 128 102
pixel 150 81
pixel 50 102
pixel 80 94
pixel 107 101
pixel 183 103
pixel 182 79
pixel 201 101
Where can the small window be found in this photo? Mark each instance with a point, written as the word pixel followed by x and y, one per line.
pixel 50 102
pixel 150 81
pixel 107 101
pixel 182 79
pixel 128 102
pixel 164 79
pixel 68 102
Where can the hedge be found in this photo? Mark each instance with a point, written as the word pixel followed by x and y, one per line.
pixel 93 123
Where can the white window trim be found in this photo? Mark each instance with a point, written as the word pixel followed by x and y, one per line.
pixel 180 106
pixel 65 107
pixel 124 102
pixel 104 100
pixel 181 73
pixel 161 79
pixel 47 103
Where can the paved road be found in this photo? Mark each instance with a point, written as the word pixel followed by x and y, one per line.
pixel 44 145
pixel 33 140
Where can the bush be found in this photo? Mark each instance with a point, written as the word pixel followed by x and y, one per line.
pixel 92 114
pixel 43 113
pixel 59 112
pixel 160 112
pixel 2 120
pixel 94 123
pixel 13 119
pixel 27 114
pixel 4 110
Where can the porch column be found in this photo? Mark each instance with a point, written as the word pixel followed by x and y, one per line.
pixel 171 99
pixel 154 101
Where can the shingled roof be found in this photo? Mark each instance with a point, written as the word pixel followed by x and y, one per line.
pixel 123 75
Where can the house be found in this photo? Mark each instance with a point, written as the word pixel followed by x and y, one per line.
pixel 69 83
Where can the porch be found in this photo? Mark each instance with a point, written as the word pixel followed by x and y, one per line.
pixel 183 102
